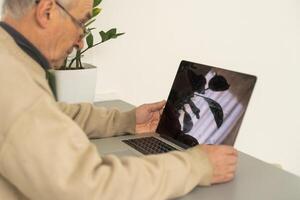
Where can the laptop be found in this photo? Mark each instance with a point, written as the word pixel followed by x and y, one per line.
pixel 206 105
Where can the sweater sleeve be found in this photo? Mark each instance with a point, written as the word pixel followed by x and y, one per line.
pixel 47 156
pixel 99 122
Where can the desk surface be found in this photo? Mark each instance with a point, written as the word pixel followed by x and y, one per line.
pixel 255 179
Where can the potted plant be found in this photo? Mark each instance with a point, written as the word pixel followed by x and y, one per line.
pixel 76 81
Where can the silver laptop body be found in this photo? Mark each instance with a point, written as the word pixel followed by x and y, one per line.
pixel 206 105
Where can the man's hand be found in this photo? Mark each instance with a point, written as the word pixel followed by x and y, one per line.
pixel 147 117
pixel 224 161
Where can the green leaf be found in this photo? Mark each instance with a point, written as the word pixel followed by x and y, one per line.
pixel 111 33
pixel 96 12
pixel 90 29
pixel 216 110
pixel 90 40
pixel 117 35
pixel 52 83
pixel 104 36
pixel 96 3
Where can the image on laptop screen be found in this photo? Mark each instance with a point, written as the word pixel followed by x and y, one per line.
pixel 206 105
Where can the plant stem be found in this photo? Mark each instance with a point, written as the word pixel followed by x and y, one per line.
pixel 90 47
pixel 79 53
pixel 77 62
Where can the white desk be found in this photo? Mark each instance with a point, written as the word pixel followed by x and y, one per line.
pixel 255 179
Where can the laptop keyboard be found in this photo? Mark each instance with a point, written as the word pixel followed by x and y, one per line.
pixel 149 145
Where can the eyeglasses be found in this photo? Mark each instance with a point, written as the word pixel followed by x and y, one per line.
pixel 79 24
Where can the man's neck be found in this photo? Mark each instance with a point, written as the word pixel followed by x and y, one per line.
pixel 28 29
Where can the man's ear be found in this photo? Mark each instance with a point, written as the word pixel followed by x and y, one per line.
pixel 44 12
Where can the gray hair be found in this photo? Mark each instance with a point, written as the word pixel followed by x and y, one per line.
pixel 18 8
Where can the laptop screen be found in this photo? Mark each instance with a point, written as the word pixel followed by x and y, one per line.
pixel 206 105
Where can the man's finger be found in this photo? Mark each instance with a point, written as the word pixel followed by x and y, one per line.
pixel 157 106
pixel 229 150
pixel 232 160
pixel 161 111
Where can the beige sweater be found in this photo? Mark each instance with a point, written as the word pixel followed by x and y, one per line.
pixel 45 153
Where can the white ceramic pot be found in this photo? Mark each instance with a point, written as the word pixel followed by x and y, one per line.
pixel 76 86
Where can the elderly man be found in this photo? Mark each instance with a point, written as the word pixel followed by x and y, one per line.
pixel 44 148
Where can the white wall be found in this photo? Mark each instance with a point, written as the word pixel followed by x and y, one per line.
pixel 257 37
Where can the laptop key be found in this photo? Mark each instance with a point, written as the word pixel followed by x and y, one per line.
pixel 149 145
